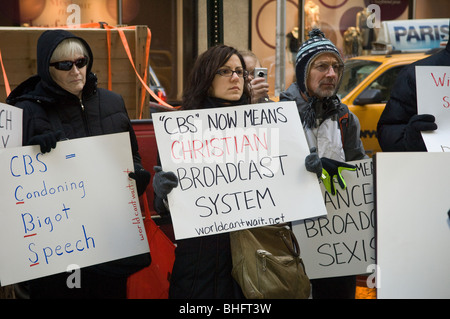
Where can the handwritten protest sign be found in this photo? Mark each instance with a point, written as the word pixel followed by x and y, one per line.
pixel 341 243
pixel 433 97
pixel 238 167
pixel 10 126
pixel 74 205
pixel 413 226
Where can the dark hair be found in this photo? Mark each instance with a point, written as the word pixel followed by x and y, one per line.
pixel 203 73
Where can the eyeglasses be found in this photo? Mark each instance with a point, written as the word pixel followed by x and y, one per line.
pixel 229 73
pixel 67 65
pixel 324 67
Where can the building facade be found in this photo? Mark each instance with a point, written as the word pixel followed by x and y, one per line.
pixel 181 29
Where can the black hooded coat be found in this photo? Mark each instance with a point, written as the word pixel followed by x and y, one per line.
pixel 49 108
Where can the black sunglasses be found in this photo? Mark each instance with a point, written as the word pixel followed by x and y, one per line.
pixel 67 65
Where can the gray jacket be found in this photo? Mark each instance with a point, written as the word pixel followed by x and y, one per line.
pixel 337 131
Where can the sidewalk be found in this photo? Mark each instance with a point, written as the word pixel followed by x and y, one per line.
pixel 362 291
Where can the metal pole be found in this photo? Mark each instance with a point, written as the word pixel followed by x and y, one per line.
pixel 412 9
pixel 215 22
pixel 119 12
pixel 280 50
pixel 301 27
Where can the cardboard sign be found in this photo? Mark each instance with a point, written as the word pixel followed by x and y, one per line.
pixel 413 226
pixel 10 126
pixel 238 167
pixel 433 97
pixel 341 243
pixel 74 205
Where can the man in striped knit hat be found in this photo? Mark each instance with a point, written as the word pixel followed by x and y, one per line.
pixel 332 131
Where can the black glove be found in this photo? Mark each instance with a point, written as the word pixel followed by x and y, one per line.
pixel 313 163
pixel 413 137
pixel 46 141
pixel 142 178
pixel 164 182
pixel 331 169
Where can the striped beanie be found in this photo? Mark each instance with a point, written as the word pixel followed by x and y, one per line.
pixel 315 45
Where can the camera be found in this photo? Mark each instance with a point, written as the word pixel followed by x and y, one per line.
pixel 260 73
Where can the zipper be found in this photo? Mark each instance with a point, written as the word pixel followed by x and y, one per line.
pixel 83 116
pixel 263 254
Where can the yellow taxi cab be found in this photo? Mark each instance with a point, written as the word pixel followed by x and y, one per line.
pixel 366 87
pixel 368 80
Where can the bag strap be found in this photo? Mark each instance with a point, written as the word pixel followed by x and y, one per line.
pixel 108 41
pixel 343 122
pixel 293 245
pixel 5 77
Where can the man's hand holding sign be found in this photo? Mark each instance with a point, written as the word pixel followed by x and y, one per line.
pixel 433 106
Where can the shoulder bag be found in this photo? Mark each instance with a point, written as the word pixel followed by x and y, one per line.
pixel 267 263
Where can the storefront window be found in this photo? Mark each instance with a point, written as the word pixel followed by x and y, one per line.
pixel 172 24
pixel 344 22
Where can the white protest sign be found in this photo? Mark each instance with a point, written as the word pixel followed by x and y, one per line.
pixel 433 97
pixel 342 243
pixel 74 205
pixel 10 126
pixel 413 226
pixel 238 167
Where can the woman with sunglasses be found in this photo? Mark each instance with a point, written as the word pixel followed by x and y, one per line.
pixel 202 268
pixel 63 102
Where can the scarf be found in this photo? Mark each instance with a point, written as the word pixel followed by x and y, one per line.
pixel 318 110
pixel 213 102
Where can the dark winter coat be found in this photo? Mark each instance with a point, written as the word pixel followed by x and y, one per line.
pixel 49 108
pixel 203 265
pixel 403 105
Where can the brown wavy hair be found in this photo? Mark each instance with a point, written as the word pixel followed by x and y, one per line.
pixel 203 73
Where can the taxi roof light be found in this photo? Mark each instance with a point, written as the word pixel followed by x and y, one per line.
pixel 381 48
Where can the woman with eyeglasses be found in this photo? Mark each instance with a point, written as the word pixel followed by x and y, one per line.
pixel 63 102
pixel 202 268
pixel 217 79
